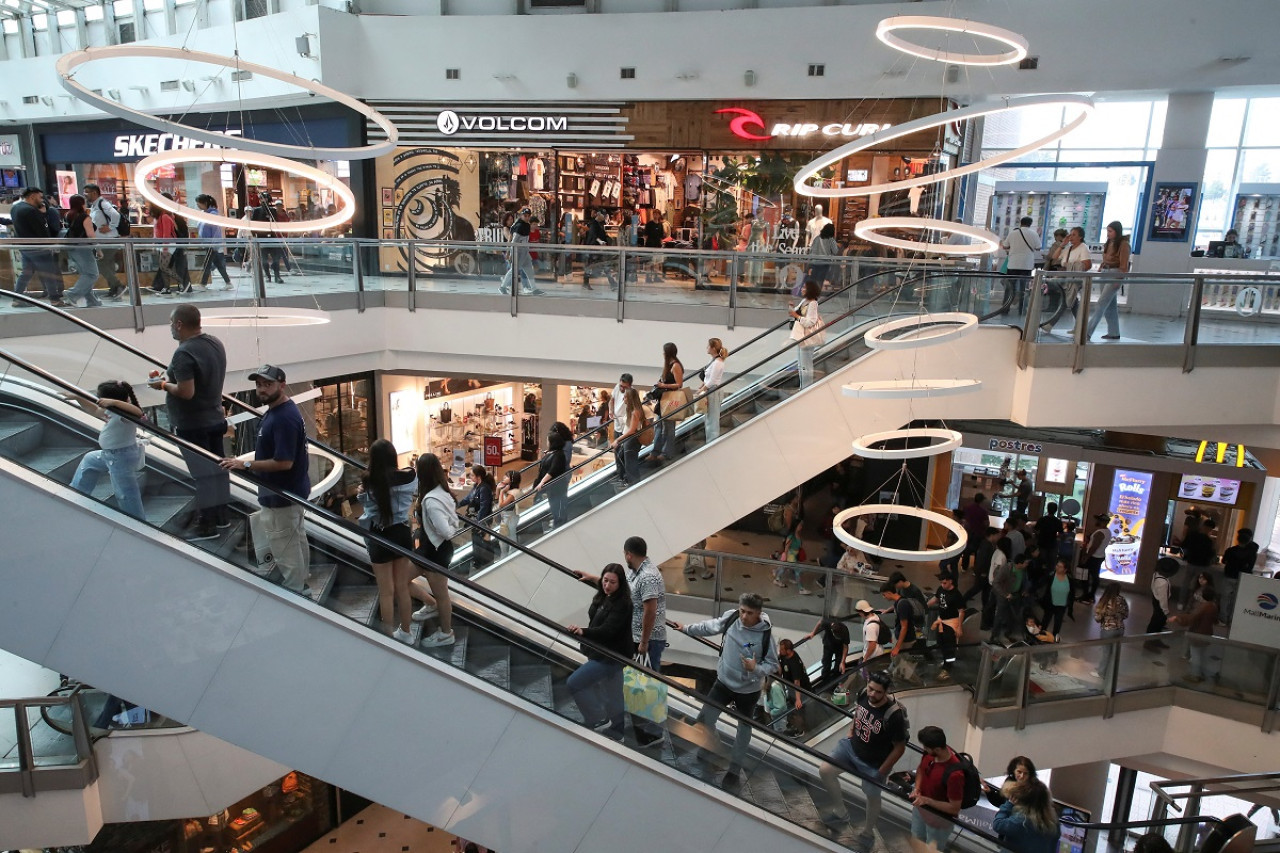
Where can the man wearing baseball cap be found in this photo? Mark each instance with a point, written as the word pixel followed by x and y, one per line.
pixel 280 462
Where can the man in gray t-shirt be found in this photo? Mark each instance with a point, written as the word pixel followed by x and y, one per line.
pixel 193 398
pixel 648 621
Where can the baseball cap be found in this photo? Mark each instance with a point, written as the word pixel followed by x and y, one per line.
pixel 524 211
pixel 864 606
pixel 269 372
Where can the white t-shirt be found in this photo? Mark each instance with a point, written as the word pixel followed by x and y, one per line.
pixel 871 634
pixel 1023 246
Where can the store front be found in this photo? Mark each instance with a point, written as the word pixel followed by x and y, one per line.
pixel 1147 487
pixel 105 153
pixel 465 170
pixel 13 171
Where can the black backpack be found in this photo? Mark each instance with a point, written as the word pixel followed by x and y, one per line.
pixel 884 636
pixel 122 227
pixel 972 780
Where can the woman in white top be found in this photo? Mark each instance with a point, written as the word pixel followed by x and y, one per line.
pixel 808 320
pixel 507 501
pixel 1075 258
pixel 712 379
pixel 438 516
pixel 119 453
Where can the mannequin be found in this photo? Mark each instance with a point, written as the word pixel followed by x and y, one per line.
pixel 816 223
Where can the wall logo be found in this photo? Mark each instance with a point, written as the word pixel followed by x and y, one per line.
pixel 743 127
pixel 1015 445
pixel 6 148
pixel 139 145
pixel 447 122
pixel 1268 601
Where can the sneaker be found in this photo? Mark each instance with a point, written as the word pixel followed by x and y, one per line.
pixel 779 584
pixel 804 591
pixel 201 533
pixel 647 740
pixel 708 575
pixel 402 635
pixel 224 520
pixel 505 291
pixel 602 726
pixel 425 612
pixel 439 638
pixel 115 297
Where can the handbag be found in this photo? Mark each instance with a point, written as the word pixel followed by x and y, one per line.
pixel 643 695
pixel 840 697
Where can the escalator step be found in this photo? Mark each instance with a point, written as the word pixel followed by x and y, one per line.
pixel 490 661
pixel 799 797
pixel 563 704
pixel 321 580
pixel 57 463
pixel 19 437
pixel 163 509
pixel 533 682
pixel 358 603
pixel 455 655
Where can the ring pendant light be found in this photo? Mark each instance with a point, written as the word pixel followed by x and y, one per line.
pixel 67 63
pixel 869 230
pixel 901 389
pixel 877 139
pixel 873 549
pixel 887 29
pixel 947 439
pixel 928 329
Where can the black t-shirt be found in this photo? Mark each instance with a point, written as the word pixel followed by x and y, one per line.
pixel 834 633
pixel 950 603
pixel 203 359
pixel 908 626
pixel 1048 529
pixel 521 228
pixel 1239 559
pixel 282 436
pixel 1197 548
pixel 653 234
pixel 792 670
pixel 876 730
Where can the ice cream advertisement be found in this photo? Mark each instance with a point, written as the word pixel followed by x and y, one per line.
pixel 1195 487
pixel 1130 492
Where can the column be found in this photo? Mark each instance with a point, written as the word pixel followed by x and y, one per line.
pixel 1083 786
pixel 555 407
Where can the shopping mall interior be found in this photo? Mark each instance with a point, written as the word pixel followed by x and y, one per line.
pixel 891 357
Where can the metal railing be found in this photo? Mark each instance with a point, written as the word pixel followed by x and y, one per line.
pixel 1186 797
pixel 41 757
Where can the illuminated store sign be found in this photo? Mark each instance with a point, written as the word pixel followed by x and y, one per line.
pixel 747 124
pixel 135 145
pixel 449 122
pixel 1219 450
pixel 1012 444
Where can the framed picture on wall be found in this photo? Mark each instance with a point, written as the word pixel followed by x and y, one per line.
pixel 386 196
pixel 1172 212
pixel 388 217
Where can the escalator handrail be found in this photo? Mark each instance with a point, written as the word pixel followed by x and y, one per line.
pixel 1140 824
pixel 559 632
pixel 145 356
pixel 604 426
pixel 791 343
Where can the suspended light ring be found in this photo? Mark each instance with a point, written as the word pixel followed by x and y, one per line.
pixel 929 554
pixel 146 167
pixel 878 139
pixel 886 31
pixel 864 445
pixel 68 62
pixel 869 230
pixel 256 316
pixel 901 389
pixel 950 326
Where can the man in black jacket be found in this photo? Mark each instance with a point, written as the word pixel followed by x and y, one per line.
pixel 31 222
pixel 271 253
pixel 598 236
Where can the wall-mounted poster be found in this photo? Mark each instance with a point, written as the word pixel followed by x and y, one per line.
pixel 1171 212
pixel 1130 494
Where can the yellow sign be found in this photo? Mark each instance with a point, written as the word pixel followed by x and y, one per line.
pixel 1220 452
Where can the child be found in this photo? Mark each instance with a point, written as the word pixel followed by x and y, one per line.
pixel 120 455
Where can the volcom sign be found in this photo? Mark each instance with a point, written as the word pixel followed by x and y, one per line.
pixel 449 123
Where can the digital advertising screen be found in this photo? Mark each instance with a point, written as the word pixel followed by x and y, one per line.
pixel 1130 496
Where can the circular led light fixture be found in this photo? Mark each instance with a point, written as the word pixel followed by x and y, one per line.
pixel 68 62
pixel 869 230
pixel 864 445
pixel 875 550
pixel 878 139
pixel 885 31
pixel 900 389
pixel 146 167
pixel 929 329
pixel 257 316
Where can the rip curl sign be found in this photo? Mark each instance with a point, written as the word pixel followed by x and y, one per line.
pixel 748 124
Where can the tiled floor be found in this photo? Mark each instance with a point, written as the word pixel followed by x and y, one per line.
pixel 379 829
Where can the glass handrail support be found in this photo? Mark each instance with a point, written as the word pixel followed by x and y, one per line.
pixel 536 643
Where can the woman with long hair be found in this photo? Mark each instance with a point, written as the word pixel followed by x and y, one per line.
pixel 712 379
pixel 80 227
pixel 553 474
pixel 1115 261
pixel 822 251
pixel 1110 613
pixel 119 453
pixel 1059 596
pixel 438 516
pixel 508 501
pixel 386 494
pixel 1019 770
pixel 163 228
pixel 669 384
pixel 596 685
pixel 626 447
pixel 478 506
pixel 807 329
pixel 1027 822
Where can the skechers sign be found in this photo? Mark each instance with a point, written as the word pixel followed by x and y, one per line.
pixel 449 123
pixel 135 145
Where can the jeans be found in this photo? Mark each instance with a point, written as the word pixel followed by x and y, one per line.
pixel 844 759
pixel 111 260
pixel 87 267
pixel 558 500
pixel 712 418
pixel 1104 661
pixel 122 466
pixel 1106 306
pixel 287 537
pixel 664 438
pixel 938 836
pixel 526 273
pixel 744 704
pixel 804 357
pixel 597 688
pixel 627 460
pixel 43 264
pixel 1206 661
pixel 215 260
pixel 213 484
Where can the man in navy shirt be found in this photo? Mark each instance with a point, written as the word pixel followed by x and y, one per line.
pixel 280 461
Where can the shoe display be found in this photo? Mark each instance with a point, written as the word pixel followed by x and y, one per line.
pixel 439 638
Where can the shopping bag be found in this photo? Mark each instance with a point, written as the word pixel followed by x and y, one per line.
pixel 644 695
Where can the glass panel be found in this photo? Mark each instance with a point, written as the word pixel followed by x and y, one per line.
pixel 1261 165
pixel 1215 204
pixel 1225 122
pixel 1239 312
pixel 1004 687
pixel 1147 309
pixel 49 746
pixel 1014 128
pixel 1155 139
pixel 1068 673
pixel 1213 665
pixel 1143 664
pixel 1115 124
pixel 1263 124
pixel 306 267
pixel 8 739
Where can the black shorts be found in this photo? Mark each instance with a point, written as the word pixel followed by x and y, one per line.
pixel 397 534
pixel 441 555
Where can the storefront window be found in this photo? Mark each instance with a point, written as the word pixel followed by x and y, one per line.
pixel 346 421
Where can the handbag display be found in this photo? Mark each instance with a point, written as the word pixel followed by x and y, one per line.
pixel 643 695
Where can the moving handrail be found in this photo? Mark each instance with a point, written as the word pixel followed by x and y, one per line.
pixel 528 618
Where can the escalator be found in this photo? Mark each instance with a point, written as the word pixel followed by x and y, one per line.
pixel 773 434
pixel 481 738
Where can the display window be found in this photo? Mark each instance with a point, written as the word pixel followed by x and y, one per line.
pixel 346 419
